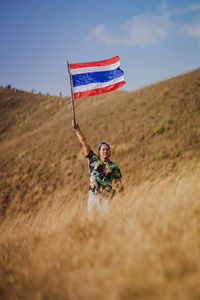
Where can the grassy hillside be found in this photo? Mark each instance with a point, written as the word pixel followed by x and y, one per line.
pixel 151 131
pixel 147 246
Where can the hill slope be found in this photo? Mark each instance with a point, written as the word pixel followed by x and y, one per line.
pixel 41 157
pixel 147 245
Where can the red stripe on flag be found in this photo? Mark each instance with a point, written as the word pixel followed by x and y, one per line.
pixel 99 91
pixel 105 62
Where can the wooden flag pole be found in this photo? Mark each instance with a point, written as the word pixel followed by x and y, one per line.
pixel 72 94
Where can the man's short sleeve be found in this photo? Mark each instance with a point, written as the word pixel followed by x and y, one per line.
pixel 91 155
pixel 117 172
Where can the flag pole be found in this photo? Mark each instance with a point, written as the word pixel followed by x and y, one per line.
pixel 72 94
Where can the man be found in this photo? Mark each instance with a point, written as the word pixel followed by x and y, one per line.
pixel 102 172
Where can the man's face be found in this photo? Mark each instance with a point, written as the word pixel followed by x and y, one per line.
pixel 104 152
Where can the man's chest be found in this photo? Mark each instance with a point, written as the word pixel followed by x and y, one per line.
pixel 100 167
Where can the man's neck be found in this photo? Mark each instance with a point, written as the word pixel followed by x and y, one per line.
pixel 104 159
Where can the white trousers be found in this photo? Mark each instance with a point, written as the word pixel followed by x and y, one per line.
pixel 97 202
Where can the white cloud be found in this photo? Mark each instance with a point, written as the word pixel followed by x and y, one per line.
pixel 187 9
pixel 141 30
pixel 149 28
pixel 193 29
pixel 102 35
pixel 195 7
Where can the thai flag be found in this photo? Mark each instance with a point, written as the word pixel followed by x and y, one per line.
pixel 93 78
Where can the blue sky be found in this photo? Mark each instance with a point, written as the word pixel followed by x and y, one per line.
pixel 155 40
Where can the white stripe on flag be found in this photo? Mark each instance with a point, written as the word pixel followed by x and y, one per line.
pixel 94 69
pixel 92 86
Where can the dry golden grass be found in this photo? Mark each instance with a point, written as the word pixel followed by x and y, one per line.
pixel 145 247
pixel 40 154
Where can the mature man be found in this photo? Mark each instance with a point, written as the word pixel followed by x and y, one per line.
pixel 102 172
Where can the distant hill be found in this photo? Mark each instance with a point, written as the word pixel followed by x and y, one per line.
pixel 152 131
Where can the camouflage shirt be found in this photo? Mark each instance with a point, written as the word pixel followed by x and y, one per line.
pixel 101 173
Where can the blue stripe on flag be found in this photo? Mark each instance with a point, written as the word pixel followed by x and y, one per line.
pixel 87 78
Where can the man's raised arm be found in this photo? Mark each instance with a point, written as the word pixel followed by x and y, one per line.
pixel 81 137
